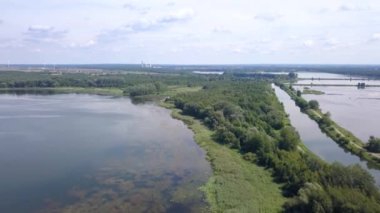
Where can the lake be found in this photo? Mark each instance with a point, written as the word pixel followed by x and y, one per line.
pixel 89 153
pixel 354 109
pixel 318 142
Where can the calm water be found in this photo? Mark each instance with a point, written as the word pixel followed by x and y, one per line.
pixel 357 110
pixel 319 75
pixel 87 153
pixel 350 79
pixel 317 141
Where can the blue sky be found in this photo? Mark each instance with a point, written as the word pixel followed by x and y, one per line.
pixel 190 31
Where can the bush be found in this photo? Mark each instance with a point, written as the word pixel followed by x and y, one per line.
pixel 373 144
pixel 314 104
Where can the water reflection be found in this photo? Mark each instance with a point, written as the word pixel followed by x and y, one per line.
pixel 87 153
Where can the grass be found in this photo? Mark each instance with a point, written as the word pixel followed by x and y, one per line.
pixel 236 185
pixel 312 92
pixel 173 90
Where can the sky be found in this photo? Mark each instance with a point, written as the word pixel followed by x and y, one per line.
pixel 190 31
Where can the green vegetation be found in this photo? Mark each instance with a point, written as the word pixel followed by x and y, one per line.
pixel 79 90
pixel 248 139
pixel 237 185
pixel 373 144
pixel 308 91
pixel 313 104
pixel 139 83
pixel 247 117
pixel 340 135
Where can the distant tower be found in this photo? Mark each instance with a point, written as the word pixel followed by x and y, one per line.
pixel 142 64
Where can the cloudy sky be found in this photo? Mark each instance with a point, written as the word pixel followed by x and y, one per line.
pixel 190 31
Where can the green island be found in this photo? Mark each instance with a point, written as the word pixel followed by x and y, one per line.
pixel 308 91
pixel 340 135
pixel 258 159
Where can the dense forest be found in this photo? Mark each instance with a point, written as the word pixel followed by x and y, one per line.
pixel 14 79
pixel 132 84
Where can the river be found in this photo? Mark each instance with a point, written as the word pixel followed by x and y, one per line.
pixel 89 153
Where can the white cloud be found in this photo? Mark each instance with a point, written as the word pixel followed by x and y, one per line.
pixel 221 30
pixel 200 31
pixel 375 37
pixel 170 4
pixel 308 43
pixel 332 43
pixel 85 44
pixel 352 7
pixel 146 25
pixel 130 6
pixel 40 28
pixel 238 50
pixel 43 33
pixel 135 7
pixel 268 17
pixel 177 16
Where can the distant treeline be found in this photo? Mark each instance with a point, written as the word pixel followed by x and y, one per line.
pixel 247 116
pixel 372 71
pixel 132 84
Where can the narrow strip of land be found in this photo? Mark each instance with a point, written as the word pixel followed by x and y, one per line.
pixel 236 185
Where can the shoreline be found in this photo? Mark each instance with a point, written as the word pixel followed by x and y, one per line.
pixel 63 90
pixel 235 184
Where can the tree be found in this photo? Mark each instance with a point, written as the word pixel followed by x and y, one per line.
pixel 314 104
pixel 299 93
pixel 225 136
pixel 373 144
pixel 290 138
pixel 292 75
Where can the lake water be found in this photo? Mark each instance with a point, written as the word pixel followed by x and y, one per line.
pixel 318 142
pixel 354 109
pixel 88 153
pixel 319 75
pixel 357 110
pixel 339 79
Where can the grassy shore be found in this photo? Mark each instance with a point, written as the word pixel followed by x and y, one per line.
pixel 312 92
pixel 236 185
